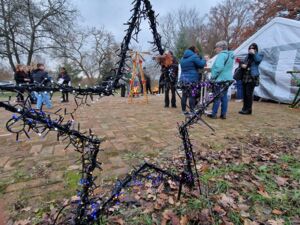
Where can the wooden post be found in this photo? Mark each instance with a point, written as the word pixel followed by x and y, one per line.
pixel 137 62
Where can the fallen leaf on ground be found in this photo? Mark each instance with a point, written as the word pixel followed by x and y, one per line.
pixel 172 184
pixel 169 215
pixel 163 196
pixel 262 192
pixel 281 181
pixel 204 168
pixel 249 222
pixel 151 197
pixel 226 221
pixel 22 222
pixel 204 217
pixel 184 220
pixel 26 209
pixel 219 210
pixel 171 200
pixel 276 222
pixel 226 201
pixel 119 221
pixel 243 207
pixel 277 212
pixel 245 214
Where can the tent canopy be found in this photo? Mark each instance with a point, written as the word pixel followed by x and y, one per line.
pixel 279 41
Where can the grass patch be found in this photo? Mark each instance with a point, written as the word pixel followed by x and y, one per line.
pixel 143 219
pixel 3 187
pixel 219 172
pixel 195 204
pixel 133 156
pixel 221 186
pixel 72 179
pixel 235 218
pixel 20 176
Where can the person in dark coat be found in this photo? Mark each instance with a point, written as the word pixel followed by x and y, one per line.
pixel 250 77
pixel 190 63
pixel 40 76
pixel 170 78
pixel 148 81
pixel 20 77
pixel 161 84
pixel 28 71
pixel 64 79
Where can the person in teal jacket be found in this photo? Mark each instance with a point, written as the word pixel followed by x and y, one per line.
pixel 222 71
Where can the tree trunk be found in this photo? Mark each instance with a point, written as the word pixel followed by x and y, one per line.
pixel 7 41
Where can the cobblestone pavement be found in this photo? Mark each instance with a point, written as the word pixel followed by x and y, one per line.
pixel 34 171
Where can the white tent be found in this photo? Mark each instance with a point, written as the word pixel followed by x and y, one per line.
pixel 279 41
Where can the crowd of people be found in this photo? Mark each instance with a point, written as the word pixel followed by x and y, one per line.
pixel 192 65
pixel 38 75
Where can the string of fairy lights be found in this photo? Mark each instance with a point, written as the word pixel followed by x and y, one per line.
pixel 89 207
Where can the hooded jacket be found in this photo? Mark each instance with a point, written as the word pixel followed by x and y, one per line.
pixel 190 63
pixel 222 67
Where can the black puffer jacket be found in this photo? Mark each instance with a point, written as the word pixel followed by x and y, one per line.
pixel 41 77
pixel 20 77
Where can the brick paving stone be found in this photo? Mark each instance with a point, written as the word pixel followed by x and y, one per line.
pixel 110 134
pixel 74 167
pixel 119 146
pixel 26 185
pixel 13 163
pixel 118 161
pixel 120 171
pixel 56 175
pixel 4 160
pixel 47 151
pixel 36 149
pixel 59 150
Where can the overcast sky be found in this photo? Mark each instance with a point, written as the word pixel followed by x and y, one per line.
pixel 114 13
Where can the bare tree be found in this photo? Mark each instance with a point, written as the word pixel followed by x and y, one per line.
pixel 89 50
pixel 29 27
pixel 227 21
pixel 183 20
pixel 265 10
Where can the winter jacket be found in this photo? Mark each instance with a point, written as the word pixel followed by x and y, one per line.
pixel 253 62
pixel 65 77
pixel 40 76
pixel 190 63
pixel 222 67
pixel 170 73
pixel 20 77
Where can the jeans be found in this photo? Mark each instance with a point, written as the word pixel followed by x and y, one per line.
pixel 239 90
pixel 223 99
pixel 43 98
pixel 248 89
pixel 192 101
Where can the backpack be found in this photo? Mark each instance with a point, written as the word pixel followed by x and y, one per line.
pixel 238 73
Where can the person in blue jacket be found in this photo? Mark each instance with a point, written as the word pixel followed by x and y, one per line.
pixel 190 63
pixel 250 77
pixel 221 71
